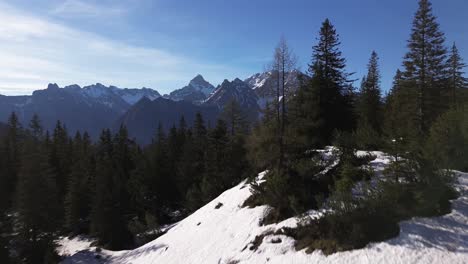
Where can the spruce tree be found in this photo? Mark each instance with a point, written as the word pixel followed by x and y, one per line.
pixel 325 103
pixel 198 152
pixel 401 123
pixel 425 65
pixel 456 74
pixel 60 157
pixel 11 161
pixel 262 142
pixel 147 188
pixel 79 189
pixel 108 220
pixel 235 118
pixel 37 205
pixel 216 176
pixel 35 130
pixel 328 58
pixel 369 106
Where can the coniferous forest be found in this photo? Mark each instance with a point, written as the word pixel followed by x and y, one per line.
pixel 55 183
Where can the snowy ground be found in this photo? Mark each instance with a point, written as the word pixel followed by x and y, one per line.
pixel 222 236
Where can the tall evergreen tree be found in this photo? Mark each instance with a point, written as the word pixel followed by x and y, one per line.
pixel 10 151
pixel 37 205
pixel 79 189
pixel 108 221
pixel 35 128
pixel 328 58
pixel 152 185
pixel 333 92
pixel 324 104
pixel 235 118
pixel 369 105
pixel 457 79
pixel 262 142
pixel 216 177
pixel 60 157
pixel 425 65
pixel 193 164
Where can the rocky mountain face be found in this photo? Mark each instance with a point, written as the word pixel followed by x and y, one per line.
pixel 196 91
pixel 90 108
pixel 143 118
pixel 265 84
pixel 10 104
pixel 236 90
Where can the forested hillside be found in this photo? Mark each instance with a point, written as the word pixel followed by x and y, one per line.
pixel 122 194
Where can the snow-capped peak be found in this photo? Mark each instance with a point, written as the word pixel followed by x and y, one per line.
pixel 200 84
pixel 129 95
pixel 196 91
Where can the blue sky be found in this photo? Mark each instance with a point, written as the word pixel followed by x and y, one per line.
pixel 162 44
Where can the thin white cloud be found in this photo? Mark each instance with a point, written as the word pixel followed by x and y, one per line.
pixel 35 51
pixel 79 8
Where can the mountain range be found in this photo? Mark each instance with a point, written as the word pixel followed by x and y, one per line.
pixel 90 108
pixel 95 107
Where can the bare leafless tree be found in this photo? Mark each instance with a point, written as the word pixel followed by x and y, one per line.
pixel 283 64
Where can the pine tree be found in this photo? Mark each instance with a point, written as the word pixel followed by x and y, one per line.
pixel 328 58
pixel 79 189
pixel 369 106
pixel 235 118
pixel 456 74
pixel 262 142
pixel 11 162
pixel 108 221
pixel 447 143
pixel 325 102
pixel 181 133
pixel 151 184
pixel 425 65
pixel 37 205
pixel 35 128
pixel 199 146
pixel 60 157
pixel 216 177
pixel 193 163
pixel 401 123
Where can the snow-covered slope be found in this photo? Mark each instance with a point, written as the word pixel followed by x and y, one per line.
pixel 224 236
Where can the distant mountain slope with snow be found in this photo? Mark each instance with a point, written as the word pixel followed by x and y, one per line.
pixel 224 235
pixel 265 84
pixel 91 108
pixel 112 94
pixel 196 91
pixel 239 91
